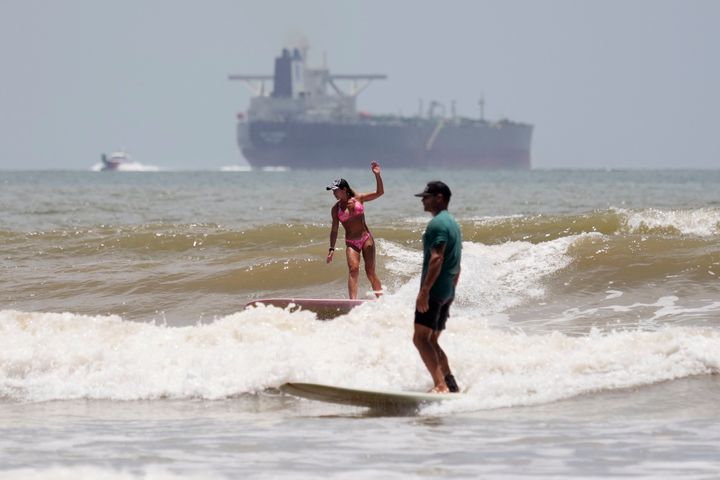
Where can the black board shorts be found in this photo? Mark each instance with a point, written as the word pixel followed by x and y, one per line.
pixel 436 316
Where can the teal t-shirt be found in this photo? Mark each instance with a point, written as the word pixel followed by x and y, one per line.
pixel 443 229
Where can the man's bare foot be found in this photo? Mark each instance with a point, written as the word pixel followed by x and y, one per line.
pixel 439 390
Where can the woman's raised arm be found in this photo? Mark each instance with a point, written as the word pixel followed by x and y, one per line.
pixel 379 188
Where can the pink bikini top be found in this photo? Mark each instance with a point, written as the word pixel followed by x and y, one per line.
pixel 345 215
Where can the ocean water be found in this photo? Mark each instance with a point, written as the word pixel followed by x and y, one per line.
pixel 586 329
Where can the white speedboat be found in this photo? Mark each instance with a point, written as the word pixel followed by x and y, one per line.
pixel 114 160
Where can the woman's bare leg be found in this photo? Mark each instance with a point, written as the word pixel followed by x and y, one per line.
pixel 369 258
pixel 353 260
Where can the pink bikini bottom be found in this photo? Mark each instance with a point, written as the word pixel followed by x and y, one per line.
pixel 357 243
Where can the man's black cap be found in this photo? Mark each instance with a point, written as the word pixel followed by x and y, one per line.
pixel 435 187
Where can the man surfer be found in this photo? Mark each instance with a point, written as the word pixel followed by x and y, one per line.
pixel 442 245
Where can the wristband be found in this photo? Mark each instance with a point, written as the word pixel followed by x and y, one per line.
pixel 331 249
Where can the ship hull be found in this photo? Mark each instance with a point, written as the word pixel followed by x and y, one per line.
pixel 405 144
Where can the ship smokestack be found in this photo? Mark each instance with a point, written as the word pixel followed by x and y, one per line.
pixel 282 82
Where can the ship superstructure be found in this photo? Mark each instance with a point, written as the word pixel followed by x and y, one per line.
pixel 310 120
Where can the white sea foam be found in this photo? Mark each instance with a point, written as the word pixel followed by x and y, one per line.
pixel 495 219
pixel 399 260
pixel 513 369
pixel 701 222
pixel 494 277
pixel 611 294
pixel 236 168
pixel 65 356
pixel 49 356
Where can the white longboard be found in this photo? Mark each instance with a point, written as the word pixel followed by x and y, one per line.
pixel 365 398
pixel 324 308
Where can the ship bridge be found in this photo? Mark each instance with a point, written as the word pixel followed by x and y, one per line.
pixel 301 93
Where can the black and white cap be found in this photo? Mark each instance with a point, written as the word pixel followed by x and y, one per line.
pixel 338 183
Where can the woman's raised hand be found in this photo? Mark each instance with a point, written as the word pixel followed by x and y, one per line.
pixel 375 167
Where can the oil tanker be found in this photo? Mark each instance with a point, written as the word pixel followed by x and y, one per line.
pixel 310 120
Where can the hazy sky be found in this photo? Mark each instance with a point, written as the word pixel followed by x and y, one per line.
pixel 606 83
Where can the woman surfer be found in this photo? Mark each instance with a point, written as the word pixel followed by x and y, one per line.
pixel 350 211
